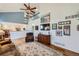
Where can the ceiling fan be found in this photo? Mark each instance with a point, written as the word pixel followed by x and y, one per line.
pixel 29 9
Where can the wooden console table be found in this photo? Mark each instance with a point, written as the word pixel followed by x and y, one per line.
pixel 45 39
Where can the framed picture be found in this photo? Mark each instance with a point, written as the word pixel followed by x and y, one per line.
pixel 66 30
pixel 54 26
pixel 77 27
pixel 60 23
pixel 58 33
pixel 36 27
pixel 67 22
pixel 60 27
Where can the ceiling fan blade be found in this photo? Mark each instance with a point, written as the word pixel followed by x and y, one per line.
pixel 32 11
pixel 27 12
pixel 28 5
pixel 25 5
pixel 33 8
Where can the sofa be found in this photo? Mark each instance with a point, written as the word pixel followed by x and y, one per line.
pixel 7 48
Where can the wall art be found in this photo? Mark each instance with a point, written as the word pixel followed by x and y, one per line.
pixel 67 22
pixel 60 27
pixel 36 27
pixel 60 23
pixel 54 26
pixel 58 33
pixel 66 30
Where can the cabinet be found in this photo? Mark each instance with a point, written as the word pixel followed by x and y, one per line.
pixel 45 39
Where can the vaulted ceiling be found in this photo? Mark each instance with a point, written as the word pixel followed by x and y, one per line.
pixel 55 8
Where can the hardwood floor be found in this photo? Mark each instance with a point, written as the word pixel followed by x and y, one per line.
pixel 64 51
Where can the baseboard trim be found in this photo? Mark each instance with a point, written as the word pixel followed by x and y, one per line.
pixel 65 52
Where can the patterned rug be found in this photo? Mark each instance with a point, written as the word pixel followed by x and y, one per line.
pixel 36 49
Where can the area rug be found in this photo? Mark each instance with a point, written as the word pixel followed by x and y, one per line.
pixel 36 49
